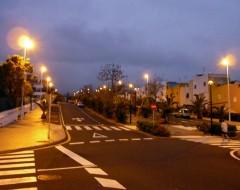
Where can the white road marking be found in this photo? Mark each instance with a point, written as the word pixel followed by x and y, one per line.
pixel 17 172
pixel 69 128
pixel 110 183
pixel 88 128
pixel 30 179
pixel 31 164
pixel 123 139
pixel 78 128
pixel 124 128
pixel 97 128
pixel 115 128
pixel 17 156
pixel 95 141
pixel 135 139
pixel 185 128
pixel 96 171
pixel 147 139
pixel 97 135
pixel 106 128
pixel 17 160
pixel 67 168
pixel 110 140
pixel 104 182
pixel 75 156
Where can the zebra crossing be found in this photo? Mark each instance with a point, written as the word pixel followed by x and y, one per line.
pixel 95 127
pixel 212 140
pixel 18 168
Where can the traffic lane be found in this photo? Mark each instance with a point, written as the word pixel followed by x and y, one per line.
pixel 72 115
pixel 56 170
pixel 107 134
pixel 166 163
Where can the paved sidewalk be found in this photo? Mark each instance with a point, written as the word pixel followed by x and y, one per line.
pixel 30 132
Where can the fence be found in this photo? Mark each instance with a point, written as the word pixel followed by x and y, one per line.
pixel 9 116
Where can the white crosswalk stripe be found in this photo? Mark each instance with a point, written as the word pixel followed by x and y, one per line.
pixel 95 127
pixel 212 140
pixel 21 165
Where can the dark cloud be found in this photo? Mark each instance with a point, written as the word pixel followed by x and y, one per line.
pixel 174 39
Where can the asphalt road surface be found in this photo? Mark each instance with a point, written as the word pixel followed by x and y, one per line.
pixel 100 155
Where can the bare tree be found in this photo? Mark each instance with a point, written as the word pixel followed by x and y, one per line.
pixel 155 86
pixel 111 74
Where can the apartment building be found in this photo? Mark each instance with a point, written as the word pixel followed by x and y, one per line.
pixel 220 96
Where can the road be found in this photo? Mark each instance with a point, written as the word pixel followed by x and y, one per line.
pixel 100 156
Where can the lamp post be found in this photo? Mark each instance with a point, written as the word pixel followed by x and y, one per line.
pixel 48 80
pixel 43 69
pixel 210 83
pixel 26 43
pixel 225 61
pixel 146 77
pixel 130 109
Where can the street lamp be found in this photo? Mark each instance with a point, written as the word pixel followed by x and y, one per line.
pixel 26 43
pixel 225 61
pixel 43 69
pixel 146 77
pixel 130 109
pixel 48 80
pixel 210 83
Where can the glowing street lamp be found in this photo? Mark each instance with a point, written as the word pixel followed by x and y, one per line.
pixel 26 43
pixel 210 83
pixel 146 77
pixel 225 61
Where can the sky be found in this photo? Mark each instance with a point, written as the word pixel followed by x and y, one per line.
pixel 173 39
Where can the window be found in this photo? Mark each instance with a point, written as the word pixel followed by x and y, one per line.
pixel 235 99
pixel 195 86
pixel 187 95
pixel 219 97
pixel 204 83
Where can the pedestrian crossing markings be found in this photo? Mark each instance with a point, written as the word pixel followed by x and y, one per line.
pixel 95 127
pixel 212 140
pixel 21 164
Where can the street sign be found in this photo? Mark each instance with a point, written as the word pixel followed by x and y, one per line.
pixel 154 106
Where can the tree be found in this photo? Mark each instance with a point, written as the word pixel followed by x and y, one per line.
pixel 167 107
pixel 155 86
pixel 111 74
pixel 198 104
pixel 15 74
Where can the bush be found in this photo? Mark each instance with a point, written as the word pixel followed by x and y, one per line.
pixel 216 129
pixel 108 109
pixel 121 112
pixel 155 129
pixel 145 111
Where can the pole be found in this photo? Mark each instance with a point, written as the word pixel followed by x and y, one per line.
pixel 130 108
pixel 229 103
pixel 211 105
pixel 22 93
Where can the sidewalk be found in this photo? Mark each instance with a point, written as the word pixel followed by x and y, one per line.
pixel 30 132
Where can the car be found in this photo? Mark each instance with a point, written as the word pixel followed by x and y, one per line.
pixel 184 113
pixel 80 105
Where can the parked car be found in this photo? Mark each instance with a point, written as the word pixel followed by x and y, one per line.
pixel 80 105
pixel 184 113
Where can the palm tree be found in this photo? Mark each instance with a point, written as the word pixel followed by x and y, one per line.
pixel 198 104
pixel 167 107
pixel 220 111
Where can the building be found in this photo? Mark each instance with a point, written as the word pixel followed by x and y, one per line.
pixel 220 96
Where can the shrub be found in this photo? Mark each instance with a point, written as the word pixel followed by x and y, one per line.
pixel 204 127
pixel 145 111
pixel 216 129
pixel 155 129
pixel 121 112
pixel 108 109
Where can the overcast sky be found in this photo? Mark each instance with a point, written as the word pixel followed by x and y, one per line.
pixel 174 39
